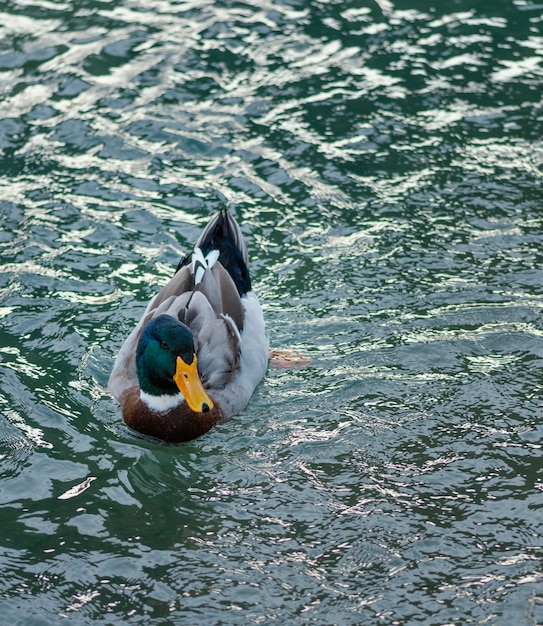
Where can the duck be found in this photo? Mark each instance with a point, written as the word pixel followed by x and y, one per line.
pixel 200 349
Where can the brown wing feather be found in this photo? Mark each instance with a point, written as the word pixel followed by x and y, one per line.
pixel 182 282
pixel 218 352
pixel 219 288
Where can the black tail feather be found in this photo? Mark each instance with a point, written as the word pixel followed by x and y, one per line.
pixel 224 236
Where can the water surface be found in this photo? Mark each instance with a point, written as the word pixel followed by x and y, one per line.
pixel 385 161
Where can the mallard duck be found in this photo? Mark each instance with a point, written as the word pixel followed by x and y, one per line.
pixel 200 349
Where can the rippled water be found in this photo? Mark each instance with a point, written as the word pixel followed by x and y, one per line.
pixel 385 160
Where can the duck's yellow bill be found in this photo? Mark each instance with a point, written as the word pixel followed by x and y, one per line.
pixel 187 380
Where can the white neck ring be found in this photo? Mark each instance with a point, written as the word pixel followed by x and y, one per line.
pixel 161 404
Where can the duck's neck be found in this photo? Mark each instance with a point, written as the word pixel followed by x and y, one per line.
pixel 163 403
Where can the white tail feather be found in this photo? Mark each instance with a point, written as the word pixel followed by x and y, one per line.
pixel 201 263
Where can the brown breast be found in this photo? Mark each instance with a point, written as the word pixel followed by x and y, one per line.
pixel 174 426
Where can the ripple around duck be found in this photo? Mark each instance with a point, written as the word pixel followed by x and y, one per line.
pixel 385 163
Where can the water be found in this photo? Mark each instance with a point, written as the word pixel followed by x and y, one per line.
pixel 385 161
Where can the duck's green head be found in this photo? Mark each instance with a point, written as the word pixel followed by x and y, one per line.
pixel 166 363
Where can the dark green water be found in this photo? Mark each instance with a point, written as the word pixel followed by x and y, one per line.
pixel 385 160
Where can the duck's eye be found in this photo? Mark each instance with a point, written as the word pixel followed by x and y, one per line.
pixel 164 345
